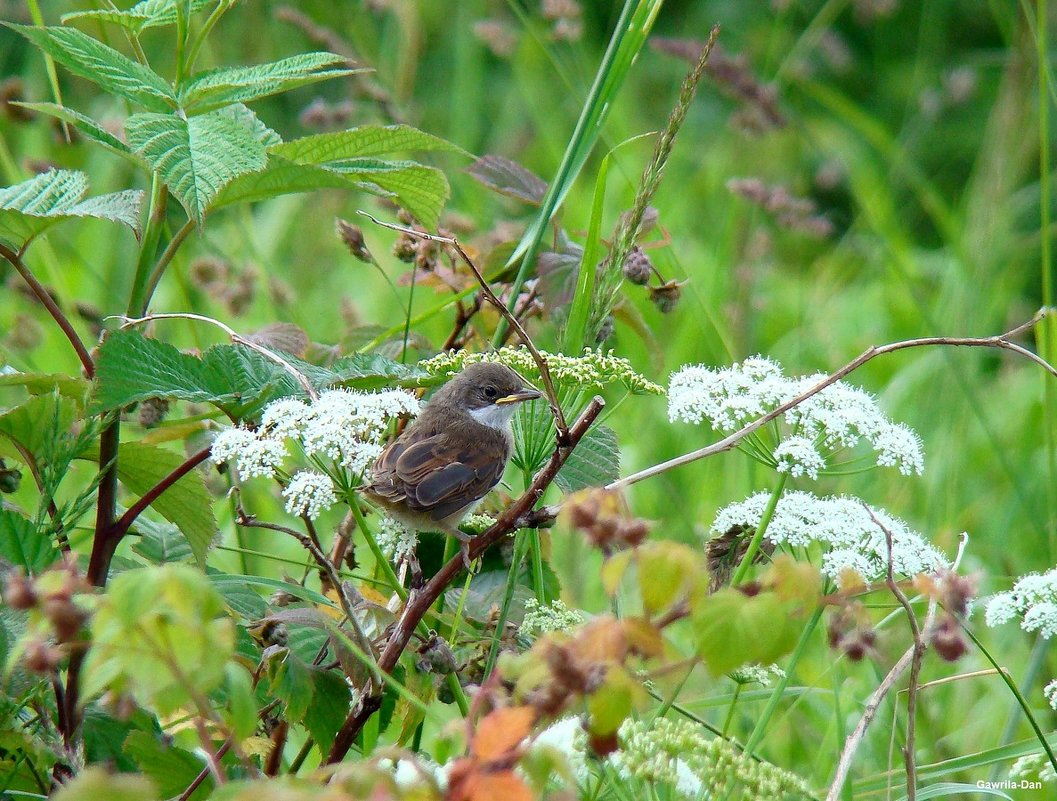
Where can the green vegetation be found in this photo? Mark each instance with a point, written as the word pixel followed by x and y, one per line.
pixel 240 240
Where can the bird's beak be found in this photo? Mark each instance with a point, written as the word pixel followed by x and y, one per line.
pixel 520 396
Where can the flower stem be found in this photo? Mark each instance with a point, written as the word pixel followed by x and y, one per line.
pixel 757 538
pixel 783 682
pixel 379 557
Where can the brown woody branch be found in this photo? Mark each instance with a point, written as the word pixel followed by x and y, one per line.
pixel 419 603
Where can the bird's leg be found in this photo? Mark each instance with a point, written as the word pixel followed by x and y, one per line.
pixel 464 545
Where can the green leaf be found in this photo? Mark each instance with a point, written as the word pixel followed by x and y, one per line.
pixel 367 140
pixel 593 463
pixel 69 386
pixel 31 207
pixel 113 72
pixel 291 682
pixel 206 91
pixel 86 126
pixel 171 768
pixel 34 424
pixel 132 368
pixel 196 157
pixel 242 703
pixel 224 581
pixel 419 189
pixel 160 542
pixel 733 629
pixel 665 570
pixel 95 783
pixel 22 545
pixel 186 504
pixel 328 708
pixel 147 14
pixel 279 177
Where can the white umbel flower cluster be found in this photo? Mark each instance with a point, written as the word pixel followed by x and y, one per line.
pixel 541 618
pixel 840 416
pixel 1049 692
pixel 841 524
pixel 1033 599
pixel 342 425
pixel 309 494
pixel 396 540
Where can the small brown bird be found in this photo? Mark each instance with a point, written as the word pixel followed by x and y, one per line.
pixel 437 471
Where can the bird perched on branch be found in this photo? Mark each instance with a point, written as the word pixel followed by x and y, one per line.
pixel 438 470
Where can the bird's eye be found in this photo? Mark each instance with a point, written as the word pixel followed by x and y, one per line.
pixel 490 392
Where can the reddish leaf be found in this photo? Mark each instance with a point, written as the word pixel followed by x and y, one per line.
pixel 509 178
pixel 501 730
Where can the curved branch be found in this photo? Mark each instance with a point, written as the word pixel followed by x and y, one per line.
pixel 48 302
pixel 1000 341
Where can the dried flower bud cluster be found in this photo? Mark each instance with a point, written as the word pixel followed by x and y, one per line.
pixel 152 411
pixel 851 632
pixel 566 17
pixel 218 278
pixel 10 478
pixel 946 637
pixel 55 619
pixel 600 515
pixel 352 237
pixel 497 35
pixel 789 211
pixel 319 115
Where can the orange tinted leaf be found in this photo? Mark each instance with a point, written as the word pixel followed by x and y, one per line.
pixel 643 637
pixel 602 640
pixel 501 730
pixel 501 786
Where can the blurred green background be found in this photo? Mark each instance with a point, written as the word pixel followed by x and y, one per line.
pixel 913 126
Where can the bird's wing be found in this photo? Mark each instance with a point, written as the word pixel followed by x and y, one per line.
pixel 436 475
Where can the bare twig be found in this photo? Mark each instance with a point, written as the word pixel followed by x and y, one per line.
pixel 419 603
pixel 917 655
pixel 48 302
pixel 234 336
pixel 1000 341
pixel 541 363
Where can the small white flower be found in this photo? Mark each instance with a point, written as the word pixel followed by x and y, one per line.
pixel 1033 599
pixel 844 525
pixel 282 419
pixel 309 493
pixel 568 738
pixel 1050 693
pixel 797 456
pixel 345 426
pixel 840 416
pixel 555 616
pixel 396 540
pixel 253 456
pixel 757 674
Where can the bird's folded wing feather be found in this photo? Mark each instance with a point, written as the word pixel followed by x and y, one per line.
pixel 435 475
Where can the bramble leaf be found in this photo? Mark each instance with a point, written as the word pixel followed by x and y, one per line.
pixel 31 207
pixel 593 463
pixel 109 69
pixel 196 157
pixel 186 504
pixel 85 126
pixel 22 545
pixel 362 142
pixel 509 178
pixel 143 15
pixel 170 767
pixel 221 87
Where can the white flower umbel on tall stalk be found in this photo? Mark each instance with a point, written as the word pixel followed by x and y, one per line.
pixel 340 433
pixel 1033 599
pixel 844 526
pixel 838 418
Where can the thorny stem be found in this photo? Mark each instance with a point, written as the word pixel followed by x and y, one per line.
pixel 420 602
pixel 541 363
pixel 48 302
pixel 1000 341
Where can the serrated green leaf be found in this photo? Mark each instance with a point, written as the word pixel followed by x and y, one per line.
pixel 86 126
pixel 733 629
pixel 223 582
pixel 279 177
pixel 420 189
pixel 196 157
pixel 367 140
pixel 110 70
pixel 328 708
pixel 214 89
pixel 147 14
pixel 160 542
pixel 95 782
pixel 291 682
pixel 22 545
pixel 31 207
pixel 186 504
pixel 171 768
pixel 593 463
pixel 32 424
pixel 132 368
pixel 242 703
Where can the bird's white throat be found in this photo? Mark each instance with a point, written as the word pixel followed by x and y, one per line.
pixel 493 416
